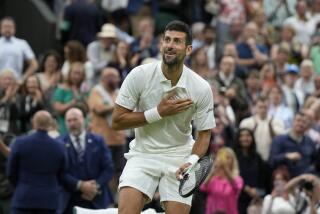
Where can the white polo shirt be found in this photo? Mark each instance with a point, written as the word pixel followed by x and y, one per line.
pixel 144 88
pixel 13 53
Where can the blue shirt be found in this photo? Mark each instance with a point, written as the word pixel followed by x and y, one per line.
pixel 283 144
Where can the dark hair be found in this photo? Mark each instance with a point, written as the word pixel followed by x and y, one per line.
pixel 283 171
pixel 77 52
pixel 237 146
pixel 56 56
pixel 24 89
pixel 181 27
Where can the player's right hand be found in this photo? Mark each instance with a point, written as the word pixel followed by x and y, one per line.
pixel 170 106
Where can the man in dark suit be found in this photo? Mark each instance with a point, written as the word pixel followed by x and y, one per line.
pixel 90 167
pixel 35 164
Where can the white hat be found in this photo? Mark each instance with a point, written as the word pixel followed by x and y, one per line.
pixel 107 31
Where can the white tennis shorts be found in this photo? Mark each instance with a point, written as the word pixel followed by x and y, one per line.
pixel 146 172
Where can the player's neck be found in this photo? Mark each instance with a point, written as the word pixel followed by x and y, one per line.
pixel 172 73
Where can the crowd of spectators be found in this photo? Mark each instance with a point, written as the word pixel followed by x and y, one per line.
pixel 261 58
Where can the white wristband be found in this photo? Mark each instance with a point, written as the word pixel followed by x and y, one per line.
pixel 152 115
pixel 193 159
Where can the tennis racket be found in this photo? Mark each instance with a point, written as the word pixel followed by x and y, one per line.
pixel 195 175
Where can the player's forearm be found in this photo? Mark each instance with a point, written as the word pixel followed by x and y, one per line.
pixel 201 145
pixel 129 120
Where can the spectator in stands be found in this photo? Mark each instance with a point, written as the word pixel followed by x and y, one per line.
pixel 263 127
pixel 70 94
pixel 199 64
pixel 223 185
pixel 122 59
pixel 14 52
pixel 317 86
pixel 209 38
pixel 280 60
pixel 232 87
pixel 279 201
pixel 297 50
pixel 268 77
pixel 295 150
pixel 290 94
pixel 301 22
pixel 277 11
pixel 145 45
pixel 311 125
pixel 35 167
pixel 6 189
pixel 306 192
pixel 31 101
pixel 253 89
pixel 277 108
pixel 251 54
pixel 74 51
pixel 90 167
pixel 101 104
pixel 49 75
pixel 101 52
pixel 253 170
pixel 8 98
pixel 82 20
pixel 230 49
pixel 305 83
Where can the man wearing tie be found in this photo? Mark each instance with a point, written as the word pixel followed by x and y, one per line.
pixel 35 165
pixel 90 167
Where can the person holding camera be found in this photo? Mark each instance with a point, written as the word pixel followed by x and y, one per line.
pixel 306 191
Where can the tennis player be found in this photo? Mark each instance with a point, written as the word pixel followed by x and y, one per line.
pixel 160 100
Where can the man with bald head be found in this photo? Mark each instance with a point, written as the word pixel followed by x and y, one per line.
pixel 35 165
pixel 90 167
pixel 101 105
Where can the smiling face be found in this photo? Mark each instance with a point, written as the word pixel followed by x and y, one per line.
pixel 174 48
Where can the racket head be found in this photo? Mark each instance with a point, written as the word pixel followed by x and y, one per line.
pixel 194 177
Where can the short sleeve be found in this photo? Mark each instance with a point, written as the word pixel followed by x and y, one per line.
pixel 131 89
pixel 204 117
pixel 27 51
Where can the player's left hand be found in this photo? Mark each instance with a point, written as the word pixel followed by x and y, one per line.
pixel 181 170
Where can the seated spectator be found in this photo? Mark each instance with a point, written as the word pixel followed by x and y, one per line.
pixel 121 60
pixel 305 83
pixel 49 75
pixel 101 52
pixel 145 45
pixel 251 54
pixel 263 127
pixel 70 94
pixel 14 52
pixel 6 190
pixel 101 103
pixel 199 64
pixel 74 51
pixel 297 51
pixel 306 192
pixel 253 89
pixel 268 77
pixel 232 87
pixel 8 99
pixel 294 150
pixel 31 101
pixel 279 201
pixel 253 170
pixel 277 108
pixel 291 95
pixel 223 185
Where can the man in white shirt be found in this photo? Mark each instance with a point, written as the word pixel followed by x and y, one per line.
pixel 162 115
pixel 14 51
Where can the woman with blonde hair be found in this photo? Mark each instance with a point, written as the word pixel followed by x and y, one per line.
pixel 223 185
